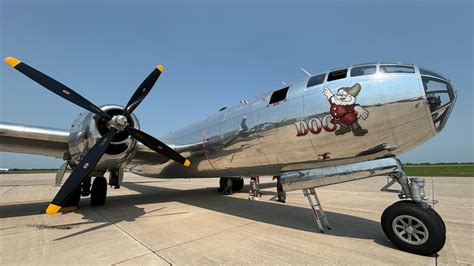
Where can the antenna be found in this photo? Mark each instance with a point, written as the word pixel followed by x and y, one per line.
pixel 306 72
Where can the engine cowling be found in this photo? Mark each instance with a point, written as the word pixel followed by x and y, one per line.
pixel 88 128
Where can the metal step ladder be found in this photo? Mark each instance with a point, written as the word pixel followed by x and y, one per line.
pixel 318 211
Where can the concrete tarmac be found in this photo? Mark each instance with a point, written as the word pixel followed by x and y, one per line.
pixel 155 221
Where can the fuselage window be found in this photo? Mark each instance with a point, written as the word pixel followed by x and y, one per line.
pixel 338 74
pixel 316 80
pixel 363 70
pixel 396 69
pixel 278 96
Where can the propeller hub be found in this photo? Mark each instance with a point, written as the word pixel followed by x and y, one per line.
pixel 119 122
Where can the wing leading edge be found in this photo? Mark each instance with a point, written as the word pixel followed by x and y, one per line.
pixel 33 140
pixel 54 143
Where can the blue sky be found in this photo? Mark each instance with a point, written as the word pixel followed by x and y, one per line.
pixel 216 54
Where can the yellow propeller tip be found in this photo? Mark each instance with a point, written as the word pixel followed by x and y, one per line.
pixel 187 163
pixel 12 61
pixel 160 68
pixel 52 209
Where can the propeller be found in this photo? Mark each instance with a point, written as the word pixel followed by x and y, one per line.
pixel 115 123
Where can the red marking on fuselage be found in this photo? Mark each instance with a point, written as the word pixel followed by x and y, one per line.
pixel 315 126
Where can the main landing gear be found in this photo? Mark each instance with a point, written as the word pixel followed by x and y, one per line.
pixel 97 192
pixel 236 184
pixel 97 189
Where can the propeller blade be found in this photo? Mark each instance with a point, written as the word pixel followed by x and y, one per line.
pixel 55 86
pixel 81 171
pixel 157 146
pixel 143 90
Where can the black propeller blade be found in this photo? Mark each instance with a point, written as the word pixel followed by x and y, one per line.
pixel 55 86
pixel 81 171
pixel 143 90
pixel 116 124
pixel 157 145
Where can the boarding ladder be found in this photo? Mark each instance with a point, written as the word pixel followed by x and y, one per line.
pixel 318 211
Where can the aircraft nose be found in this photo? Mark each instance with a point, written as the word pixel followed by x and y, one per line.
pixel 440 96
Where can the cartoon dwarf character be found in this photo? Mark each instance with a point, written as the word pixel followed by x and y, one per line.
pixel 345 112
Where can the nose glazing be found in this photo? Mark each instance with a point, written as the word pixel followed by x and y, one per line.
pixel 440 97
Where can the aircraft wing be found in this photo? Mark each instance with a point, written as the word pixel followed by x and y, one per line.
pixel 33 140
pixel 54 143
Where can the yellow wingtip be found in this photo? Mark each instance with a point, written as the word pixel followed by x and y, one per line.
pixel 187 163
pixel 52 209
pixel 12 61
pixel 160 68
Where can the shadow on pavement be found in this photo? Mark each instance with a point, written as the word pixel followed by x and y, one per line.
pixel 124 208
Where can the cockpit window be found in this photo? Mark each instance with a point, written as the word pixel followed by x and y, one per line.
pixel 396 69
pixel 338 74
pixel 440 96
pixel 278 96
pixel 363 70
pixel 430 73
pixel 316 80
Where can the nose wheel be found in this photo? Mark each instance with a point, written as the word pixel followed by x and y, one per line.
pixel 414 228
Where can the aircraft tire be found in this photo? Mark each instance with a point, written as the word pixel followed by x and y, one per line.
pixel 99 191
pixel 222 184
pixel 237 184
pixel 414 228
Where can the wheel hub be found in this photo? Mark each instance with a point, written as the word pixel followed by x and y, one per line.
pixel 410 230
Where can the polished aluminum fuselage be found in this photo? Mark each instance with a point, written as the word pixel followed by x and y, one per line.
pixel 258 138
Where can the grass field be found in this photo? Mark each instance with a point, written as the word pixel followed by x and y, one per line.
pixel 440 170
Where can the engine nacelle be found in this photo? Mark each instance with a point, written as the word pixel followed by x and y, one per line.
pixel 88 128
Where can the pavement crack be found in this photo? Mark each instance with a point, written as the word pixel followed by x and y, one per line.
pixel 223 231
pixel 134 238
pixel 136 257
pixel 8 190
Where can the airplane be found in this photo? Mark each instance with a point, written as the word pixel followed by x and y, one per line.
pixel 337 126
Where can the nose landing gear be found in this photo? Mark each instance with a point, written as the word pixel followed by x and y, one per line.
pixel 412 225
pixel 414 228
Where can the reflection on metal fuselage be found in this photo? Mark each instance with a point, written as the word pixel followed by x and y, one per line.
pixel 258 138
